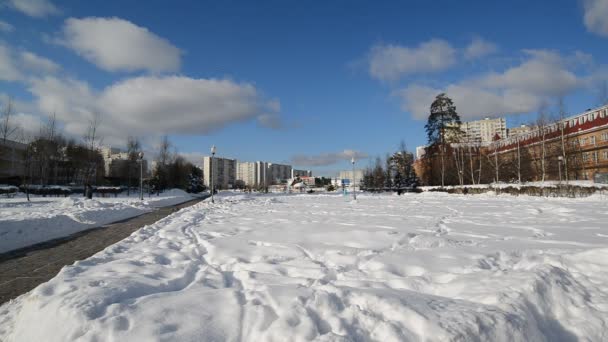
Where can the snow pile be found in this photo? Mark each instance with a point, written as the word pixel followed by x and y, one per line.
pixel 322 267
pixel 24 223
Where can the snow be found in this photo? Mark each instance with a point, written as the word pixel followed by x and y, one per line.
pixel 502 185
pixel 24 223
pixel 418 267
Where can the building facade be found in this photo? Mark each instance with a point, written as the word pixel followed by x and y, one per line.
pixel 575 148
pixel 278 173
pixel 223 171
pixel 484 130
pixel 300 173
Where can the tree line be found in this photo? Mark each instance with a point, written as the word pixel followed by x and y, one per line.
pixel 49 157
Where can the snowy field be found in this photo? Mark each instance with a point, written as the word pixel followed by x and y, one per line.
pixel 420 267
pixel 24 223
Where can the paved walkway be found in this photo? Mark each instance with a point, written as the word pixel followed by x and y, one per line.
pixel 24 269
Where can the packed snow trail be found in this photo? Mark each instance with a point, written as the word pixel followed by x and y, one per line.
pixel 432 267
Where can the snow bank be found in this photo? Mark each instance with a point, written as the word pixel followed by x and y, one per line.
pixel 432 267
pixel 24 223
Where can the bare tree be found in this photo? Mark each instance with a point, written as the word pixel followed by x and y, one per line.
pixel 92 141
pixel 7 128
pixel 562 113
pixel 133 149
pixel 541 124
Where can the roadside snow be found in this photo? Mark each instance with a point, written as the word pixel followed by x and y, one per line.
pixel 24 223
pixel 419 267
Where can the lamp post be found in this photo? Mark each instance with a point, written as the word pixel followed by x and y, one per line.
pixel 211 171
pixel 560 159
pixel 141 175
pixel 352 161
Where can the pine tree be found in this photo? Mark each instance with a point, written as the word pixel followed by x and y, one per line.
pixel 442 126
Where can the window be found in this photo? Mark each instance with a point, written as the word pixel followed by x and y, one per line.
pixel 585 157
pixel 605 136
pixel 603 114
pixel 592 140
pixel 595 157
pixel 605 155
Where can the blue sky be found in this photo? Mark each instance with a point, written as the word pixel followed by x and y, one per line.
pixel 307 83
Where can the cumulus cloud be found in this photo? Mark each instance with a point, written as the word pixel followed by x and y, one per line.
pixel 326 159
pixel 596 16
pixel 390 62
pixel 519 89
pixel 114 44
pixel 479 48
pixel 18 66
pixel 6 27
pixel 152 105
pixel 9 70
pixel 34 8
pixel 35 63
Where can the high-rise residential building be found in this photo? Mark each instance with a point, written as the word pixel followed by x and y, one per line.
pixel 278 173
pixel 253 174
pixel 300 173
pixel 224 172
pixel 484 130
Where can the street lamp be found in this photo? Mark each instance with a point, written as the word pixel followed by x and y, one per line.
pixel 352 161
pixel 211 171
pixel 560 159
pixel 141 175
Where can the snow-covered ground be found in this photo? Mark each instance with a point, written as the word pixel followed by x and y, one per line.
pixel 419 267
pixel 502 185
pixel 24 223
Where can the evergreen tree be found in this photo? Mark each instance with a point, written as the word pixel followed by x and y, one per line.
pixel 442 127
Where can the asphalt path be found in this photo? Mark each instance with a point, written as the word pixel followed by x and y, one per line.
pixel 24 269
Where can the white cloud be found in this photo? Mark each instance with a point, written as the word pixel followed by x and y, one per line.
pixel 519 89
pixel 390 62
pixel 9 70
pixel 18 66
pixel 35 63
pixel 596 16
pixel 115 44
pixel 34 8
pixel 326 159
pixel 150 105
pixel 6 27
pixel 479 48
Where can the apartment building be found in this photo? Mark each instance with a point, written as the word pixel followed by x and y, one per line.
pixel 278 173
pixel 484 130
pixel 223 171
pixel 575 148
pixel 300 173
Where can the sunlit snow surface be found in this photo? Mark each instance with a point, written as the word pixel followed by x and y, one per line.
pixel 24 223
pixel 418 267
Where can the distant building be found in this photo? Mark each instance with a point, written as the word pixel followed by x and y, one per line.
pixel 484 130
pixel 300 173
pixel 115 162
pixel 253 174
pixel 278 173
pixel 224 172
pixel 518 130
